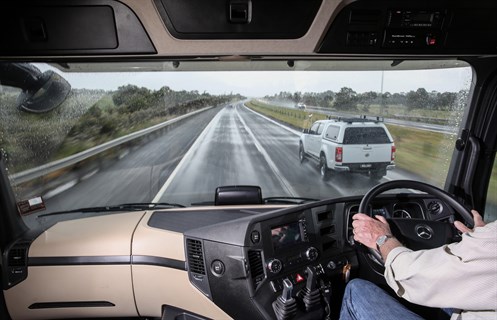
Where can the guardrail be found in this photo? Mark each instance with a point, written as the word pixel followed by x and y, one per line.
pixel 34 173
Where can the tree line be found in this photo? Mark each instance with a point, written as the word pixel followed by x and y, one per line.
pixel 88 118
pixel 348 99
pixel 131 108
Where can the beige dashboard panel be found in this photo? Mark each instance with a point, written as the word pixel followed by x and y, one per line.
pixel 148 241
pixel 158 286
pixel 108 235
pixel 52 284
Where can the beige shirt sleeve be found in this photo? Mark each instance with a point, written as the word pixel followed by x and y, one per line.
pixel 460 275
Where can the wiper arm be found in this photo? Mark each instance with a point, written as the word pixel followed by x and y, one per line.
pixel 120 207
pixel 150 205
pixel 288 200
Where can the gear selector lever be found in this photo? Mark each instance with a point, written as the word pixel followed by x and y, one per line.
pixel 285 306
pixel 310 295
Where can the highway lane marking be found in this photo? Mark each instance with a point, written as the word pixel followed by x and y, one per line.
pixel 186 157
pixel 295 132
pixel 340 190
pixel 60 189
pixel 285 184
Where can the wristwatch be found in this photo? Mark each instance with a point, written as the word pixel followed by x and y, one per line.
pixel 381 240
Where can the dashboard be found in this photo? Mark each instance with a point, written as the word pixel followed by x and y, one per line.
pixel 208 262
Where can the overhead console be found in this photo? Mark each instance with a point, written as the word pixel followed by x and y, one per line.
pixel 413 27
pixel 242 19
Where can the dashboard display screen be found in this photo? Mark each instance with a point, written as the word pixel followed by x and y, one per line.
pixel 286 235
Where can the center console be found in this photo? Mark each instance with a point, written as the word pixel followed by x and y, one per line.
pixel 300 253
pixel 291 263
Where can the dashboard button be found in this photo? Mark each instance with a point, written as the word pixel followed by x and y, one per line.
pixel 275 266
pixel 299 278
pixel 332 265
pixel 255 237
pixel 311 254
pixel 217 267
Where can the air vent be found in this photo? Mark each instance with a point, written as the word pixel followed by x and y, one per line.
pixel 324 216
pixel 16 260
pixel 195 256
pixel 256 266
pixel 17 257
pixel 327 237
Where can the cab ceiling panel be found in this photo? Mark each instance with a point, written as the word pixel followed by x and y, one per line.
pixel 414 27
pixel 238 19
pixel 71 28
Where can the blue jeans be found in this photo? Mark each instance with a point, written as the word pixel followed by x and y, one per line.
pixel 365 300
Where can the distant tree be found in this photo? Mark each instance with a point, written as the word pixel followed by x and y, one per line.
pixel 367 98
pixel 297 97
pixel 445 100
pixel 346 99
pixel 328 97
pixel 398 98
pixel 131 98
pixel 419 99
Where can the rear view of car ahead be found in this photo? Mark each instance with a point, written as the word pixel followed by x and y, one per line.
pixel 359 145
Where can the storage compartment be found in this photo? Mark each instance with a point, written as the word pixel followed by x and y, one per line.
pixel 238 19
pixel 76 27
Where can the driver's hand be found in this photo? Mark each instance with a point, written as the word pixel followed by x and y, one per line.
pixel 367 230
pixel 478 223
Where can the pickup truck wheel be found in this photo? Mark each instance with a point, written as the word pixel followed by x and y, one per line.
pixel 323 168
pixel 301 153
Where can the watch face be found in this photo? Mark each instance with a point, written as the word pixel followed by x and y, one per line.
pixel 381 240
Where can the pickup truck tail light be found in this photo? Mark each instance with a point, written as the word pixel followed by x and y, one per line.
pixel 338 154
pixel 393 152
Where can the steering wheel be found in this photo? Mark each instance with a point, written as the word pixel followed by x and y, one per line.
pixel 418 233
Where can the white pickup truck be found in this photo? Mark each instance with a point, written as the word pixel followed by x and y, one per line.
pixel 359 145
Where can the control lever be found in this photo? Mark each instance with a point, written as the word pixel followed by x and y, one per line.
pixel 285 306
pixel 311 295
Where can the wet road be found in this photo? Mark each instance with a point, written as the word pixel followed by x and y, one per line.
pixel 222 146
pixel 239 147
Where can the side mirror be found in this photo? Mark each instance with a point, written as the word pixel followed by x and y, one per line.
pixel 305 131
pixel 41 92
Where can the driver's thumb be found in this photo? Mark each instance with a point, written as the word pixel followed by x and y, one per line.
pixel 461 227
pixel 382 219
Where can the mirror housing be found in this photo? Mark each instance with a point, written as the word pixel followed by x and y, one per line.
pixel 41 92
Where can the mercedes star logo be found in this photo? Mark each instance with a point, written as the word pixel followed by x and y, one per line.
pixel 424 232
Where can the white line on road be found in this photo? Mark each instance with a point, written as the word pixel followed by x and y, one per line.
pixel 285 184
pixel 60 189
pixel 295 132
pixel 186 157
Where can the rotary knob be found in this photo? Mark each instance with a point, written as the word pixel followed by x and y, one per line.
pixel 311 254
pixel 275 265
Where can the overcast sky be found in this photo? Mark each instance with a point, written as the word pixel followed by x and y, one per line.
pixel 262 83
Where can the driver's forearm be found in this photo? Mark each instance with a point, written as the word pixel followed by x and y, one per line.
pixel 388 246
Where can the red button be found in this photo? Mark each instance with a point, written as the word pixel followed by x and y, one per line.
pixel 299 278
pixel 431 40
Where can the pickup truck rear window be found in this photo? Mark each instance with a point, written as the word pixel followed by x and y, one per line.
pixel 367 135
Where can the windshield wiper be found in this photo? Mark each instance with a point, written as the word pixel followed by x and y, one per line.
pixel 119 207
pixel 269 200
pixel 288 200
